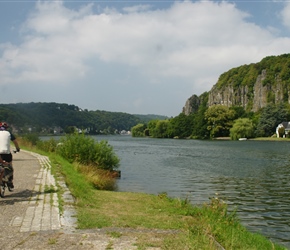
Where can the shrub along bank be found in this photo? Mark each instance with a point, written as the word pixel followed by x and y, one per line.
pixel 208 226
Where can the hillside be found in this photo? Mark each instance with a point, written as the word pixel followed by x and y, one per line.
pixel 250 86
pixel 56 118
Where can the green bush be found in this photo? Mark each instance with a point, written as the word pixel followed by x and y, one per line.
pixel 48 146
pixel 85 150
pixel 32 139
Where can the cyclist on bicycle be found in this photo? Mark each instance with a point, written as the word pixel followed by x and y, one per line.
pixel 5 153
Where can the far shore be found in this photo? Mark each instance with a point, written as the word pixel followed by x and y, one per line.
pixel 256 139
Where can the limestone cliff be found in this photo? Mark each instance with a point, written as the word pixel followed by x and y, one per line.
pixel 250 86
pixel 191 105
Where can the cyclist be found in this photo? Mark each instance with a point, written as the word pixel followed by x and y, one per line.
pixel 5 153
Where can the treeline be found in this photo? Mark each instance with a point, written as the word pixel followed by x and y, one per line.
pixel 218 121
pixel 49 118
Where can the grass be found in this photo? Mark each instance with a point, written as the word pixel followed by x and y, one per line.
pixel 156 220
pixel 101 179
pixel 270 139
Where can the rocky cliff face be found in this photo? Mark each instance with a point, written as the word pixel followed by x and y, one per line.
pixel 250 99
pixel 191 105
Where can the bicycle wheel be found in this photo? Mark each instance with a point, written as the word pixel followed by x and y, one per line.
pixel 2 190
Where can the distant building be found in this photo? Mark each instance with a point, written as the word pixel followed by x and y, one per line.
pixel 286 126
pixel 124 132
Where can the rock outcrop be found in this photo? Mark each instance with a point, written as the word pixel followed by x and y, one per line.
pixel 266 87
pixel 191 105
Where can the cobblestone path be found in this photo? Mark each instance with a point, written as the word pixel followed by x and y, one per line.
pixel 30 218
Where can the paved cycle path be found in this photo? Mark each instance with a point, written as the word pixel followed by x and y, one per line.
pixel 30 216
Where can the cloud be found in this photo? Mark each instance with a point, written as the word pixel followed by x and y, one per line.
pixel 179 51
pixel 285 15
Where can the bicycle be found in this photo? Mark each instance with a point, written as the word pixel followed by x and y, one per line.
pixel 8 172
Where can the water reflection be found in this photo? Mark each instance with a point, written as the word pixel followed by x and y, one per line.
pixel 250 175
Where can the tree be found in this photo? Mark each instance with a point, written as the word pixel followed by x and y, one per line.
pixel 162 129
pixel 199 130
pixel 270 117
pixel 70 130
pixel 138 130
pixel 242 128
pixel 181 125
pixel 151 127
pixel 239 111
pixel 219 120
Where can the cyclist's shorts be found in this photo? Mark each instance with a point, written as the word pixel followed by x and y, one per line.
pixel 6 157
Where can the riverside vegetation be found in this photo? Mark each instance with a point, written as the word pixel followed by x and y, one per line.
pixel 86 166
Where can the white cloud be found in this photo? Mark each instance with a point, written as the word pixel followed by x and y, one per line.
pixel 285 15
pixel 186 46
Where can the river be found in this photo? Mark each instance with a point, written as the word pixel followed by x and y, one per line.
pixel 251 176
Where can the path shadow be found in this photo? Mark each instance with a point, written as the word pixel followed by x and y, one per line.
pixel 11 198
pixel 26 159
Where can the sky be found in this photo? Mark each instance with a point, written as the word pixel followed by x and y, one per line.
pixel 137 57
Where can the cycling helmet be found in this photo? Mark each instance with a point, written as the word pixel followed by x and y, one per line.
pixel 3 125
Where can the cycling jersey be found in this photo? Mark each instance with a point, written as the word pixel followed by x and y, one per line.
pixel 5 138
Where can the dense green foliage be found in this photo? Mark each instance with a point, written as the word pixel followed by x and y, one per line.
pixel 270 117
pixel 219 119
pixel 246 75
pixel 85 150
pixel 199 129
pixel 147 118
pixel 138 130
pixel 242 128
pixel 181 126
pixel 81 149
pixel 50 118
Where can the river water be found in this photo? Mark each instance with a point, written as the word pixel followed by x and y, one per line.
pixel 251 176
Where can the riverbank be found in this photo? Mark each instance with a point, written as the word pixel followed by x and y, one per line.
pixel 157 221
pixel 256 139
pixel 271 139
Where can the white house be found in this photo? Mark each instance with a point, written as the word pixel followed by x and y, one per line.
pixel 286 126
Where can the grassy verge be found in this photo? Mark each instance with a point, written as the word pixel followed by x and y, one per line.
pixel 270 139
pixel 164 223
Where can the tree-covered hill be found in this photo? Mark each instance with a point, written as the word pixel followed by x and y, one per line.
pixel 254 86
pixel 59 117
pixel 246 75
